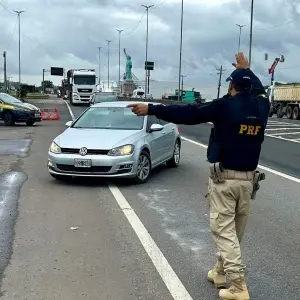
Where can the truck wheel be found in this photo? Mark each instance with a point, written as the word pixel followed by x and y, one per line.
pixel 296 113
pixel 279 112
pixel 289 112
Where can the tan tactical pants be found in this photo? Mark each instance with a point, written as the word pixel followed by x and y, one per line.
pixel 229 210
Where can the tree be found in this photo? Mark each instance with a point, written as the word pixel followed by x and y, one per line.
pixel 48 84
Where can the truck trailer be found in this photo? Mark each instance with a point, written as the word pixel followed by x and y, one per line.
pixel 81 85
pixel 285 100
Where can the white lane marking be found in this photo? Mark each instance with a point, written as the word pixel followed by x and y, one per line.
pixel 161 264
pixel 70 110
pixel 276 137
pixel 281 138
pixel 285 128
pixel 169 277
pixel 279 125
pixel 292 178
pixel 285 133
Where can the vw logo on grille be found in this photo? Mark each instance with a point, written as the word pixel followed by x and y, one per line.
pixel 83 151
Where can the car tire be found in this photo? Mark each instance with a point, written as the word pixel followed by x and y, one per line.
pixel 30 123
pixel 174 161
pixel 8 119
pixel 144 166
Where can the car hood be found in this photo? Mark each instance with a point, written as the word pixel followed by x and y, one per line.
pixel 24 106
pixel 97 138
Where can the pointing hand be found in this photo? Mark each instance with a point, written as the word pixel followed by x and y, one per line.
pixel 140 109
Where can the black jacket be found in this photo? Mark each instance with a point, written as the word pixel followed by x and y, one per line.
pixel 239 125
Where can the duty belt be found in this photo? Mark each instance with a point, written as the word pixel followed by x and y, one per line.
pixel 218 175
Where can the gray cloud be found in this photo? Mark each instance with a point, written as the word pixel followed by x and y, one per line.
pixel 67 34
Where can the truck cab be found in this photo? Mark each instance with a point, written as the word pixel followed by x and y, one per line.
pixel 81 85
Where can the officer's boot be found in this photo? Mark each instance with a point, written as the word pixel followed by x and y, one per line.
pixel 217 274
pixel 237 291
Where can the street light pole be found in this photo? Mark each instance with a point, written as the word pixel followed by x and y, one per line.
pixel 240 26
pixel 120 31
pixel 99 48
pixel 251 29
pixel 180 51
pixel 146 86
pixel 19 19
pixel 108 42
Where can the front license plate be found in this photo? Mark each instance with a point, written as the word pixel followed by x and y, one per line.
pixel 37 115
pixel 82 163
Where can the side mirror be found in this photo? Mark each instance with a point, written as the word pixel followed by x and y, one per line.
pixel 156 127
pixel 69 123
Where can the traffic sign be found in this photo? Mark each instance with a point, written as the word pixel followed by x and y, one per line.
pixel 149 65
pixel 57 71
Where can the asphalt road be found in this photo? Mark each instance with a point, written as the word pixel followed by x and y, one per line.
pixel 83 240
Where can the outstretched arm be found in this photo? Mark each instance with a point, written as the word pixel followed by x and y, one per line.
pixel 179 114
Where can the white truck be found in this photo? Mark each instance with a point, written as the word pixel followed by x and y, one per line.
pixel 81 85
pixel 285 100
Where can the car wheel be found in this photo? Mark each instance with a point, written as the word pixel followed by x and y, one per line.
pixel 30 123
pixel 8 119
pixel 144 168
pixel 174 161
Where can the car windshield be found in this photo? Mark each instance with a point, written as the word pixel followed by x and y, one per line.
pixel 105 98
pixel 120 118
pixel 9 99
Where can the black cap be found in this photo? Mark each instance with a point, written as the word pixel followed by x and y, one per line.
pixel 241 77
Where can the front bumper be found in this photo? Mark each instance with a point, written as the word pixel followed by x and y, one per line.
pixel 102 165
pixel 22 116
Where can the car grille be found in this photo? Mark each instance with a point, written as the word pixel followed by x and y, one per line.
pixel 84 90
pixel 93 169
pixel 89 152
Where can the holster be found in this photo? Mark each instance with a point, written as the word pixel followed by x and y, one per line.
pixel 258 176
pixel 216 173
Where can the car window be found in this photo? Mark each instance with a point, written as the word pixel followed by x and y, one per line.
pixel 9 99
pixel 152 120
pixel 120 118
pixel 162 122
pixel 101 98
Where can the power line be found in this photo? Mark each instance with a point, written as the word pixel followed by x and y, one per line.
pixel 1 4
pixel 279 25
pixel 12 36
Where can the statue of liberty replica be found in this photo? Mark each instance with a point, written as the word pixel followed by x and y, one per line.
pixel 128 85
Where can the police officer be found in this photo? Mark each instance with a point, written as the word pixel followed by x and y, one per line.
pixel 239 122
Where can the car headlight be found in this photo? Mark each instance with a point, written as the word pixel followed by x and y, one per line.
pixel 122 150
pixel 54 148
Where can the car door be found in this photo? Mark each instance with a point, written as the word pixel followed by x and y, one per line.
pixel 169 140
pixel 1 109
pixel 156 141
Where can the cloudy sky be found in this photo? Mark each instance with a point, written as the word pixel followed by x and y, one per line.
pixel 66 33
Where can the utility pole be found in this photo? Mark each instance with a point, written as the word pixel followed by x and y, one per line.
pixel 251 29
pixel 19 19
pixel 120 31
pixel 220 73
pixel 99 48
pixel 108 42
pixel 43 81
pixel 147 32
pixel 240 26
pixel 180 51
pixel 5 74
pixel 182 82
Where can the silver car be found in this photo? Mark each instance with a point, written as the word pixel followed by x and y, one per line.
pixel 109 140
